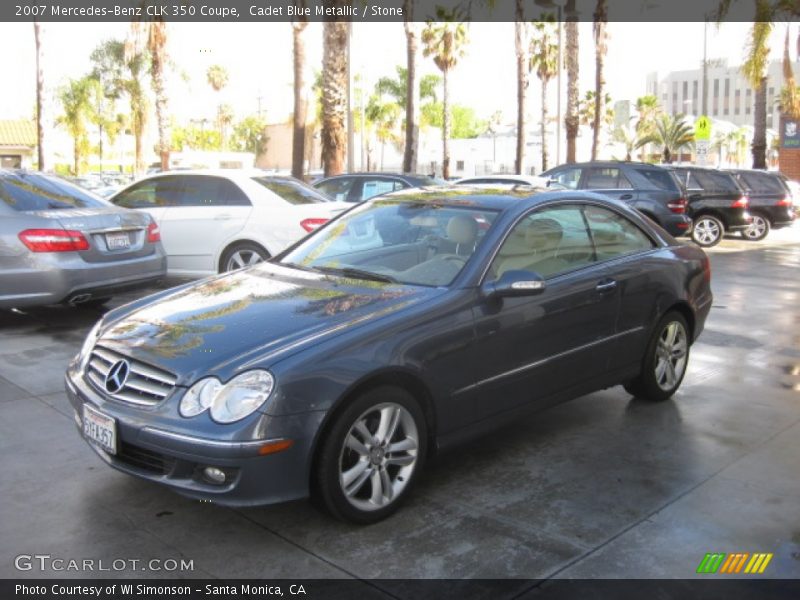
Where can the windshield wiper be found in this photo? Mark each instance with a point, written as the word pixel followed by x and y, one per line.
pixel 358 274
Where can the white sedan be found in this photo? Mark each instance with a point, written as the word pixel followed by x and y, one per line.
pixel 219 220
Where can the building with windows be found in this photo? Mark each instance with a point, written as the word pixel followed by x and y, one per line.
pixel 17 143
pixel 730 96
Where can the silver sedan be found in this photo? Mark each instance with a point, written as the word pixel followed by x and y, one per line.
pixel 60 243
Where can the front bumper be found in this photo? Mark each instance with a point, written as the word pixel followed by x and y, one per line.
pixel 148 448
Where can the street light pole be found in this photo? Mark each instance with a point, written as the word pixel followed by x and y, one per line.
pixel 705 67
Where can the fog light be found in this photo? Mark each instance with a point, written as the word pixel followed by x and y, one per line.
pixel 214 475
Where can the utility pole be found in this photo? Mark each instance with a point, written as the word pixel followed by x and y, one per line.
pixel 350 132
pixel 705 67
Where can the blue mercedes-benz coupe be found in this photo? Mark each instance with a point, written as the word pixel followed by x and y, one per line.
pixel 412 322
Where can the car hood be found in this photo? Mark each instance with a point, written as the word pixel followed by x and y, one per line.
pixel 256 316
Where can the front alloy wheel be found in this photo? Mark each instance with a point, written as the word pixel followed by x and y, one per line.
pixel 665 361
pixel 758 229
pixel 708 231
pixel 371 456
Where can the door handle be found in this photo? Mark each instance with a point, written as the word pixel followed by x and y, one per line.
pixel 626 196
pixel 606 285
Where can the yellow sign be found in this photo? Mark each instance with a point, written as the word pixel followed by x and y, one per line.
pixel 702 128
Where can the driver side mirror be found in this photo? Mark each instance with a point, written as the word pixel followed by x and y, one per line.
pixel 515 284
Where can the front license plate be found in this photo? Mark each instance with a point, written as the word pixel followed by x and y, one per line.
pixel 118 241
pixel 100 429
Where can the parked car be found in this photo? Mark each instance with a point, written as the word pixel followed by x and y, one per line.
pixel 770 202
pixel 59 243
pixel 358 187
pixel 652 190
pixel 717 204
pixel 400 328
pixel 505 179
pixel 219 220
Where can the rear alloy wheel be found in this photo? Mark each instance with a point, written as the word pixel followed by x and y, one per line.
pixel 758 230
pixel 707 231
pixel 371 456
pixel 665 361
pixel 242 255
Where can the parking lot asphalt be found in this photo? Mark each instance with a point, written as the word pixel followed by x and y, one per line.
pixel 604 486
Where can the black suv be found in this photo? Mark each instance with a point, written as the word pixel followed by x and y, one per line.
pixel 717 204
pixel 652 190
pixel 770 202
pixel 357 187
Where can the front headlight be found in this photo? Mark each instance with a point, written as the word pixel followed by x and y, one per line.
pixel 230 402
pixel 88 345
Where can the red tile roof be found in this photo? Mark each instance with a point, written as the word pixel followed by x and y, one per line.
pixel 19 132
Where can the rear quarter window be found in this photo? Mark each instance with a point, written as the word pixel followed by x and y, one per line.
pixel 712 181
pixel 763 183
pixel 291 190
pixel 660 179
pixel 26 192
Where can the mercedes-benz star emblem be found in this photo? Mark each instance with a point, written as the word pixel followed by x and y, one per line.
pixel 117 376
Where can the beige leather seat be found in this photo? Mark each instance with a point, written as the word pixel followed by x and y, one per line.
pixel 463 232
pixel 532 248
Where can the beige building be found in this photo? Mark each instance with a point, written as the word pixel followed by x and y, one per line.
pixel 17 144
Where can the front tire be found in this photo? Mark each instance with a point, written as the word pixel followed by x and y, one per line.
pixel 243 254
pixel 707 231
pixel 758 230
pixel 371 456
pixel 665 361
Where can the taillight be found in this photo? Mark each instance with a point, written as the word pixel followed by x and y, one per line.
pixel 678 206
pixel 153 232
pixel 785 202
pixel 53 240
pixel 742 202
pixel 312 224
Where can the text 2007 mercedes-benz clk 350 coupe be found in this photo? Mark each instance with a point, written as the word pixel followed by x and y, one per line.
pixel 412 322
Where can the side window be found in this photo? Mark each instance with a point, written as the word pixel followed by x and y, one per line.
pixel 569 178
pixel 692 183
pixel 547 242
pixel 202 190
pixel 378 186
pixel 607 178
pixel 338 189
pixel 152 193
pixel 614 235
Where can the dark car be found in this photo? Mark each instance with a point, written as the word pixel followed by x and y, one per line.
pixel 358 187
pixel 408 324
pixel 650 189
pixel 717 204
pixel 60 243
pixel 770 202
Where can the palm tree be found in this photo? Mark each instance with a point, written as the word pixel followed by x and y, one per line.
pixel 76 100
pixel 225 116
pixel 444 40
pixel 790 94
pixel 544 59
pixel 630 138
pixel 152 34
pixel 600 49
pixel 587 107
pixel 671 134
pixel 648 108
pixel 217 77
pixel 40 144
pixel 383 117
pixel 571 118
pixel 522 50
pixel 334 92
pixel 410 153
pixel 396 87
pixel 300 112
pixel 755 71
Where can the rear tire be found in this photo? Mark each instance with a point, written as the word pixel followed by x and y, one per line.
pixel 665 360
pixel 707 231
pixel 370 457
pixel 243 254
pixel 758 230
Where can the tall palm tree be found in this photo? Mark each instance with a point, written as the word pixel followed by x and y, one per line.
pixel 152 34
pixel 544 60
pixel 40 143
pixel 522 50
pixel 671 133
pixel 630 138
pixel 790 95
pixel 76 101
pixel 444 41
pixel 600 49
pixel 410 153
pixel 300 112
pixel 571 118
pixel 755 71
pixel 648 108
pixel 334 92
pixel 217 77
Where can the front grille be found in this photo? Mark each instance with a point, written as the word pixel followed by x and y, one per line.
pixel 145 385
pixel 144 459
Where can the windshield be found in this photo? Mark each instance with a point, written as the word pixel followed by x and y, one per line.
pixel 31 191
pixel 405 242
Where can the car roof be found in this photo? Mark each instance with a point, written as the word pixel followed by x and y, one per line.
pixel 379 174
